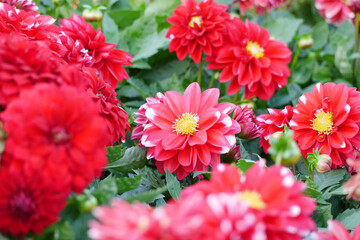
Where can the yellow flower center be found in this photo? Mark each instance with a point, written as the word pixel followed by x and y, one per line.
pixel 254 49
pixel 253 199
pixel 323 122
pixel 187 124
pixel 197 20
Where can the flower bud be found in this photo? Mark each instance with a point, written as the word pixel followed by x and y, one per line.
pixel 232 156
pixel 306 42
pixel 355 5
pixel 93 15
pixel 284 150
pixel 86 202
pixel 324 163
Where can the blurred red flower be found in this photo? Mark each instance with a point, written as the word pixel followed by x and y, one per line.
pixel 186 133
pixel 57 124
pixel 26 5
pixel 197 28
pixel 276 206
pixel 328 118
pixel 31 200
pixel 336 231
pixel 251 59
pixel 334 11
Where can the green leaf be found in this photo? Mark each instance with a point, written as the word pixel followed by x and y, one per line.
pixel 342 62
pixel 115 152
pixel 243 152
pixel 320 35
pixel 295 92
pixel 58 231
pixel 324 180
pixel 151 177
pixel 148 196
pixel 322 215
pixel 133 158
pixel 161 7
pixel 321 74
pixel 124 17
pixel 173 185
pixel 350 218
pixel 283 29
pixel 105 190
pixel 151 44
pixel 125 184
pixel 311 189
pixel 244 164
pixel 110 29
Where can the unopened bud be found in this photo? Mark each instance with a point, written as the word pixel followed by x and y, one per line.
pixel 355 5
pixel 92 15
pixel 323 164
pixel 86 202
pixel 284 150
pixel 232 156
pixel 306 42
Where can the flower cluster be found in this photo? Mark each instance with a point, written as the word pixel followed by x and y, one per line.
pixel 263 204
pixel 243 52
pixel 186 133
pixel 57 114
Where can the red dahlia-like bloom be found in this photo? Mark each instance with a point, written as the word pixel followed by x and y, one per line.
pixel 197 28
pixel 252 60
pixel 24 63
pixel 334 11
pixel 336 231
pixel 352 186
pixel 328 118
pixel 141 119
pixel 26 5
pixel 64 128
pixel 31 200
pixel 122 221
pixel 275 200
pixel 31 25
pixel 248 123
pixel 187 133
pixel 105 97
pixel 97 53
pixel 273 122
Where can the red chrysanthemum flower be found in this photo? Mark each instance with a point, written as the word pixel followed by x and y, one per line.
pixel 273 122
pixel 328 118
pixel 109 107
pixel 336 231
pixel 334 11
pixel 197 28
pixel 26 5
pixel 31 200
pixel 31 25
pixel 252 60
pixel 249 125
pixel 188 133
pixel 24 63
pixel 104 58
pixel 272 195
pixel 64 128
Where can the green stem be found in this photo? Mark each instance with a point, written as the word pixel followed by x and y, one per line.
pixel 199 76
pixel 296 57
pixel 294 169
pixel 236 97
pixel 278 160
pixel 356 62
pixel 212 80
pixel 309 170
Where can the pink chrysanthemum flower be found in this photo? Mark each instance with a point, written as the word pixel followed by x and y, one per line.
pixel 273 122
pixel 352 186
pixel 249 125
pixel 336 231
pixel 98 54
pixel 334 11
pixel 197 28
pixel 26 5
pixel 328 118
pixel 187 133
pixel 251 60
pixel 273 196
